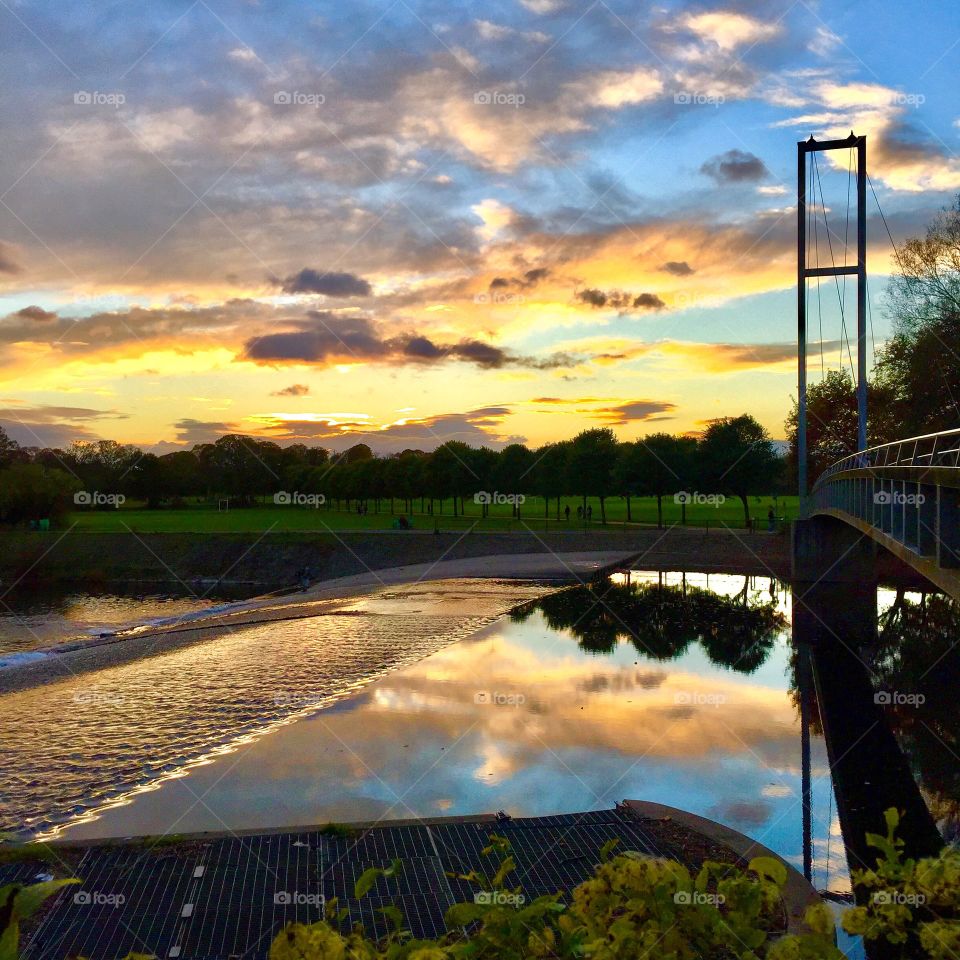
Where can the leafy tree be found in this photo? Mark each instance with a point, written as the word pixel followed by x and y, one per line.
pixel 593 454
pixel 483 465
pixel 920 365
pixel 549 473
pixel 832 421
pixel 102 465
pixel 8 448
pixel 30 491
pixel 448 472
pixel 145 480
pixel 737 458
pixel 359 451
pixel 406 477
pixel 512 471
pixel 661 464
pixel 627 474
pixel 182 475
pixel 244 466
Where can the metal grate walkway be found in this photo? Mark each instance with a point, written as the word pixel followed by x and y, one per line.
pixel 228 898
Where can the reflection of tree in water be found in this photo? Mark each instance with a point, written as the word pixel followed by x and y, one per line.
pixel 917 657
pixel 662 621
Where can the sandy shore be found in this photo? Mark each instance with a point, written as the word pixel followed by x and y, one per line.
pixel 125 646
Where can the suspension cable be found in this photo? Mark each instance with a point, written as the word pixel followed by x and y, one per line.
pixel 843 321
pixel 876 200
pixel 816 246
pixel 846 229
pixel 873 339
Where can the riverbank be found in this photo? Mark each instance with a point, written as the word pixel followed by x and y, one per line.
pixel 277 560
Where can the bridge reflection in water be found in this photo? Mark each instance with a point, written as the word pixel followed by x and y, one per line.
pixel 902 497
pixel 880 688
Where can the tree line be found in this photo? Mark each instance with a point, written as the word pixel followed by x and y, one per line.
pixel 914 389
pixel 733 457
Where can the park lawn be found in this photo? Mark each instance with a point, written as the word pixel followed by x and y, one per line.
pixel 203 518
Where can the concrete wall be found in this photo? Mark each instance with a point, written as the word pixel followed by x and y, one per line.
pixel 276 559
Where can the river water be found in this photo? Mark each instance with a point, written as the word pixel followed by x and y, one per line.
pixel 430 700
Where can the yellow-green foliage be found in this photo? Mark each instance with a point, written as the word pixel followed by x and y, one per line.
pixel 636 906
pixel 18 902
pixel 633 906
pixel 908 900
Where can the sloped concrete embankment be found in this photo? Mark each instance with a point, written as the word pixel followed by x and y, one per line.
pixel 276 560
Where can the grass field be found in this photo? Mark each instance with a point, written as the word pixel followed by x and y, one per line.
pixel 204 518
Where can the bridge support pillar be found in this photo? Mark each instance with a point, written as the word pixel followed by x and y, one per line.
pixel 827 550
pixel 834 583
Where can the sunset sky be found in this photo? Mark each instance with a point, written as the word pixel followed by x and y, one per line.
pixel 406 222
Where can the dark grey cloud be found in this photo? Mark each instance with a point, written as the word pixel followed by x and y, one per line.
pixel 735 166
pixel 46 413
pixel 294 390
pixel 37 314
pixel 529 279
pixel 647 301
pixel 321 336
pixel 139 325
pixel 482 354
pixel 53 435
pixel 619 300
pixel 594 298
pixel 422 348
pixel 329 284
pixel 326 336
pixel 679 268
pixel 191 432
pixel 53 426
pixel 635 410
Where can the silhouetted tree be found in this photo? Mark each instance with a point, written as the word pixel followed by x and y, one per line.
pixel 590 466
pixel 736 457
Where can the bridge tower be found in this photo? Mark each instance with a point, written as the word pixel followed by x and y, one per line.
pixel 805 272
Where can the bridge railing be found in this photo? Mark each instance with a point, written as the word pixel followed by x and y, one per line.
pixel 930 450
pixel 906 494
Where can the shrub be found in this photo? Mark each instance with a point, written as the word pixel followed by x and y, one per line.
pixel 633 906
